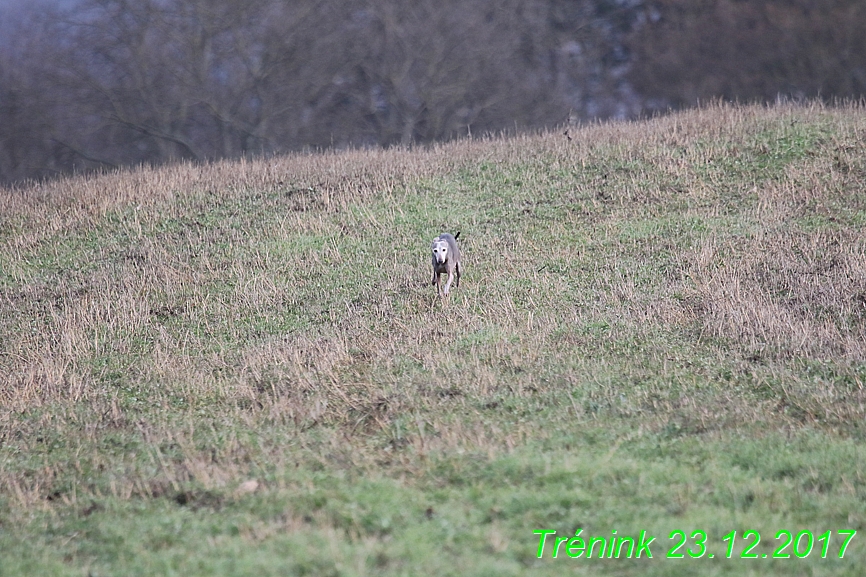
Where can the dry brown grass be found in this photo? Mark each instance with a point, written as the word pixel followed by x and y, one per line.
pixel 155 291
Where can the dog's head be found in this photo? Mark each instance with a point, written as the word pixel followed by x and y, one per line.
pixel 440 250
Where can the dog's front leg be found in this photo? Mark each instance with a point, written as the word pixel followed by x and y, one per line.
pixel 448 284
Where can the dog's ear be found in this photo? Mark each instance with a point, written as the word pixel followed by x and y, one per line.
pixel 456 236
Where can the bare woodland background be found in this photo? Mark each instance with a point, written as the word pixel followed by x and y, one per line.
pixel 88 84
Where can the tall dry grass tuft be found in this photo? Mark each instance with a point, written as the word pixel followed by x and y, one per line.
pixel 784 293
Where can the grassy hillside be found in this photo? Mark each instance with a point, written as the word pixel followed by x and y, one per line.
pixel 241 368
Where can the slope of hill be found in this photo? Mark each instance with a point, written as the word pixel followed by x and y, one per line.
pixel 241 368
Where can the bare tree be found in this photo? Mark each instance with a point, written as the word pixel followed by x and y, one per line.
pixel 116 82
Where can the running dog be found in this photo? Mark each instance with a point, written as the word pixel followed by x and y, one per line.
pixel 446 259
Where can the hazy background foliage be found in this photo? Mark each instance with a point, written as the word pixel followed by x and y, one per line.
pixel 87 84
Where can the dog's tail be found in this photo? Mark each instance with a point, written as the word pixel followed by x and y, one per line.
pixel 456 236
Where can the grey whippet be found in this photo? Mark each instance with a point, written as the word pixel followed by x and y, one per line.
pixel 446 259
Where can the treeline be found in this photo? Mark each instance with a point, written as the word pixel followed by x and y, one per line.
pixel 749 50
pixel 103 83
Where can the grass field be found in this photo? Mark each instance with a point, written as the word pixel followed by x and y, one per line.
pixel 241 368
